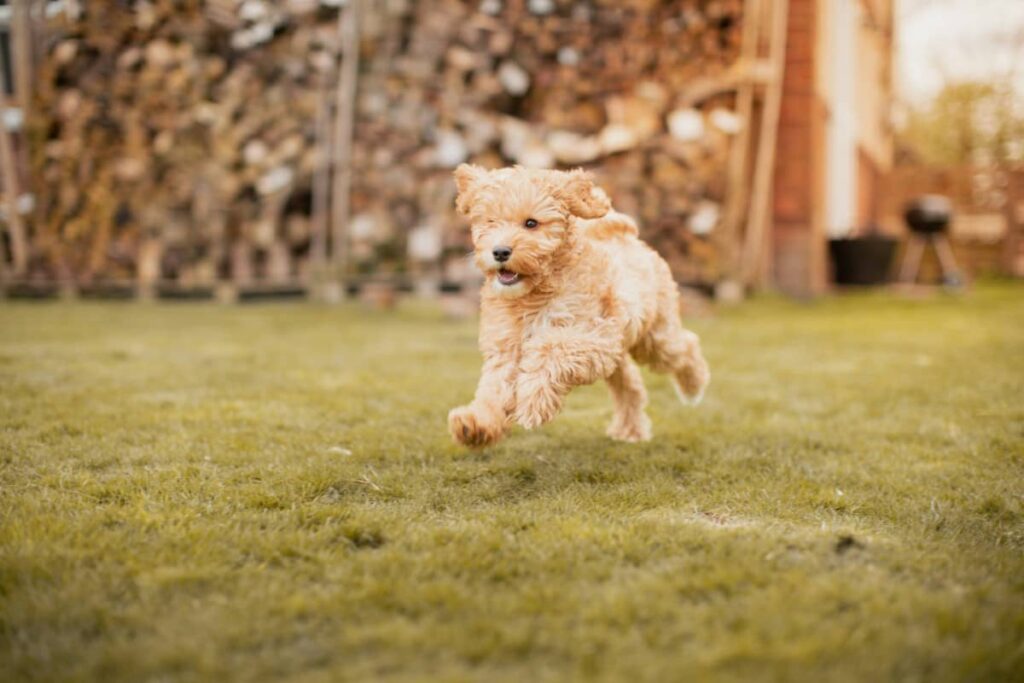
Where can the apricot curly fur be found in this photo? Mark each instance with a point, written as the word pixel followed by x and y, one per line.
pixel 579 298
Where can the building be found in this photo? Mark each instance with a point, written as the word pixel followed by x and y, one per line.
pixel 835 141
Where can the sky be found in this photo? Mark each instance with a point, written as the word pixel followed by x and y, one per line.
pixel 943 40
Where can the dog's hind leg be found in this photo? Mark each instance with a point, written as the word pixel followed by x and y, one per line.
pixel 670 348
pixel 629 423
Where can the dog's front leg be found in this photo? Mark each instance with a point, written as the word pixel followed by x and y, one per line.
pixel 485 420
pixel 557 360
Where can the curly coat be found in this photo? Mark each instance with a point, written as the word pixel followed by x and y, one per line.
pixel 577 298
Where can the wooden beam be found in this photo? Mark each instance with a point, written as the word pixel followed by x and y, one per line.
pixel 739 155
pixel 321 185
pixel 754 245
pixel 344 125
pixel 11 186
pixel 21 52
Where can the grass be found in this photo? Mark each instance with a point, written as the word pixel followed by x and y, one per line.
pixel 191 492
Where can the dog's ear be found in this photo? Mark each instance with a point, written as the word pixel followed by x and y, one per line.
pixel 579 194
pixel 467 179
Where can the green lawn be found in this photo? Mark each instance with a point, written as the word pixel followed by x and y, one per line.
pixel 194 492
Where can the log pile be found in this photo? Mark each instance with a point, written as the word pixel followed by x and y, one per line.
pixel 182 140
pixel 630 89
pixel 176 140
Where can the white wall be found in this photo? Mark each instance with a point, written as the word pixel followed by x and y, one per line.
pixel 841 164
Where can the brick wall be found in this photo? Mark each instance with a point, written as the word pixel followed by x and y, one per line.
pixel 798 240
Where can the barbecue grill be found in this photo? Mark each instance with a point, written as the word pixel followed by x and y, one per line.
pixel 928 218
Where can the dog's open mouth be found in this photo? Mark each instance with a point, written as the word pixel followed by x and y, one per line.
pixel 507 277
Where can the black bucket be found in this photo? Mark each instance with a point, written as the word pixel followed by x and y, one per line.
pixel 862 260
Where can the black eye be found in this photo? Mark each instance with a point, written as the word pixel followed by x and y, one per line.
pixel 530 223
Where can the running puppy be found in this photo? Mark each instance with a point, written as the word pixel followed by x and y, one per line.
pixel 571 296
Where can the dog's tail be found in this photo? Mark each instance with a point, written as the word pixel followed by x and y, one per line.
pixel 690 375
pixel 609 226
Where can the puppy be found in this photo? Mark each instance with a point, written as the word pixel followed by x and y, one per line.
pixel 571 296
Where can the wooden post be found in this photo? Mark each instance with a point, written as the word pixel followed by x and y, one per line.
pixel 21 51
pixel 1013 246
pixel 739 155
pixel 23 39
pixel 348 25
pixel 321 184
pixel 11 186
pixel 754 246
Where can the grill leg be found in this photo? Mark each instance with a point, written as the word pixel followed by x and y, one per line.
pixel 912 259
pixel 950 270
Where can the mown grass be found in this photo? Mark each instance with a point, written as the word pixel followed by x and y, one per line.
pixel 264 493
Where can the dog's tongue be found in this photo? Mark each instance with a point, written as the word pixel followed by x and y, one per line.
pixel 507 277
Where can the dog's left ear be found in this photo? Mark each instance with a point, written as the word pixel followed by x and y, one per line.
pixel 579 194
pixel 467 179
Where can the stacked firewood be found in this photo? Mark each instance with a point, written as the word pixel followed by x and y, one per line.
pixel 631 89
pixel 182 139
pixel 177 140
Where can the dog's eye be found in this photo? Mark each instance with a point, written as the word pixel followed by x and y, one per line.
pixel 530 223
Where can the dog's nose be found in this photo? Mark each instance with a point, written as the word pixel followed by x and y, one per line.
pixel 501 254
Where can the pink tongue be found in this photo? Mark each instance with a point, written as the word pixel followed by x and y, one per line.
pixel 507 276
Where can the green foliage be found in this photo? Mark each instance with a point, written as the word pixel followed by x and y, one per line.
pixel 971 122
pixel 268 493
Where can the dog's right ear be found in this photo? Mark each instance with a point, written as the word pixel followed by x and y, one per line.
pixel 581 196
pixel 467 179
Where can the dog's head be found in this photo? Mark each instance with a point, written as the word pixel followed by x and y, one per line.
pixel 523 220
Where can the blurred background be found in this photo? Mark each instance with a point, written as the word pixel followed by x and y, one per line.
pixel 239 149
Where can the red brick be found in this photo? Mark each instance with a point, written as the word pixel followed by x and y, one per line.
pixel 802 8
pixel 791 205
pixel 799 46
pixel 799 78
pixel 801 21
pixel 796 109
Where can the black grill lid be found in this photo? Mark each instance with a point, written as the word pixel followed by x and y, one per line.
pixel 929 213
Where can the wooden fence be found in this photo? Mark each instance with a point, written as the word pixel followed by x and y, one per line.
pixel 988 221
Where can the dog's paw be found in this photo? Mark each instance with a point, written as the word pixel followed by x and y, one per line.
pixel 536 403
pixel 472 427
pixel 634 429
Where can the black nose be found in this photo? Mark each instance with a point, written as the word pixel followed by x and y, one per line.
pixel 501 254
